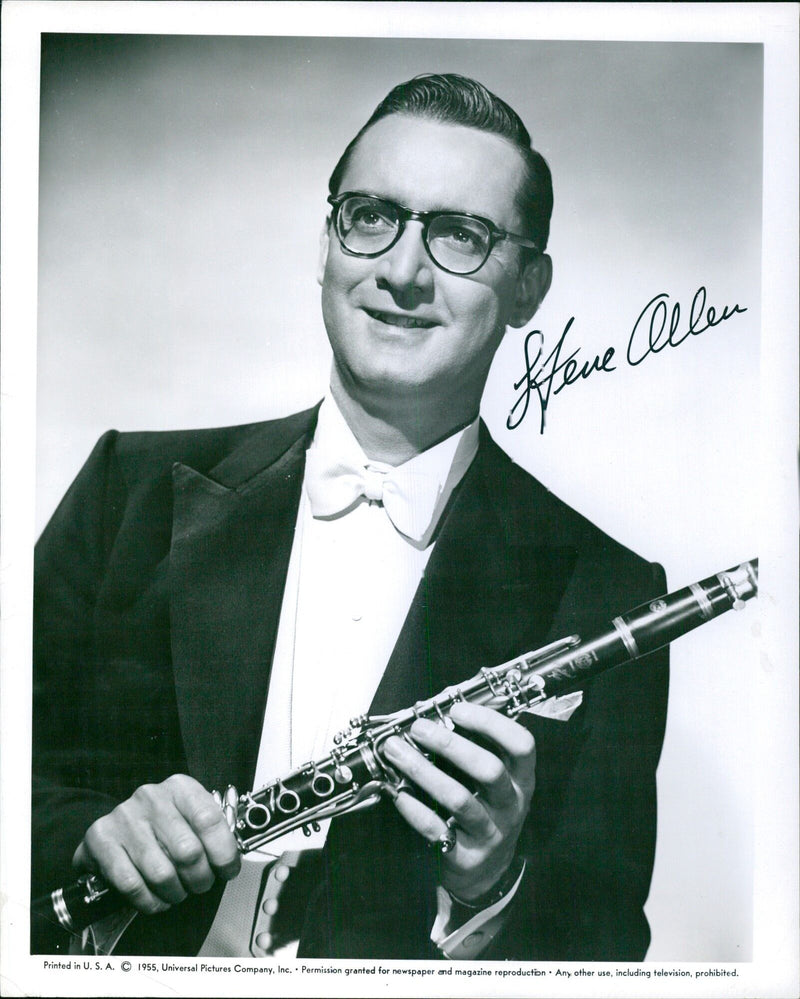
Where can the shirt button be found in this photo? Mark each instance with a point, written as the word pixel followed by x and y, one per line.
pixel 270 906
pixel 282 873
pixel 264 941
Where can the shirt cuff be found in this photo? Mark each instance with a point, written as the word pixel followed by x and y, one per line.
pixel 471 938
pixel 103 935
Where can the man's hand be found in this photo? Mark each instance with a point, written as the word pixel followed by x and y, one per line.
pixel 488 822
pixel 166 841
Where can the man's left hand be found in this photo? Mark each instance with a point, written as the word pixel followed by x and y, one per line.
pixel 488 820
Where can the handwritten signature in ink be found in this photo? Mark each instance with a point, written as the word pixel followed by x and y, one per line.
pixel 657 326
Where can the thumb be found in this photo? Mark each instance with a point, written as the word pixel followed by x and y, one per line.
pixel 82 860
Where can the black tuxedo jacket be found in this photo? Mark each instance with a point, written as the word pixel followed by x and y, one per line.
pixel 158 591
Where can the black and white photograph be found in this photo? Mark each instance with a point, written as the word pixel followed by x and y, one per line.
pixel 396 395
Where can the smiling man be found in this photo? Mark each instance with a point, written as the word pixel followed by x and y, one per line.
pixel 415 307
pixel 226 600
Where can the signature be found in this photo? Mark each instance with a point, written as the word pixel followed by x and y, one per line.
pixel 658 326
pixel 540 377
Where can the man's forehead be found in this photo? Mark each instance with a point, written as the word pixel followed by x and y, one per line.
pixel 430 165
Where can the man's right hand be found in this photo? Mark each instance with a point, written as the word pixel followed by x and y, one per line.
pixel 163 843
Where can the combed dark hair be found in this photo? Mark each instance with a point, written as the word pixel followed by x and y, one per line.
pixel 458 100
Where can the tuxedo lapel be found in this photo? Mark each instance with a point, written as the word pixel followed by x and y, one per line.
pixel 491 588
pixel 231 541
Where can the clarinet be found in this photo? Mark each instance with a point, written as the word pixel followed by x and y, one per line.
pixel 355 773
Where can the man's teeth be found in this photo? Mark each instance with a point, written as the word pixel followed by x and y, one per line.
pixel 408 322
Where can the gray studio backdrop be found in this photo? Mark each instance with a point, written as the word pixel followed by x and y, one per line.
pixel 183 184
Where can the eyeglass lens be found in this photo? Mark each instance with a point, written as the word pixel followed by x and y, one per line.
pixel 455 242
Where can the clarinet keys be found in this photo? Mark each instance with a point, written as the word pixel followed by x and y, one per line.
pixel 322 784
pixel 257 816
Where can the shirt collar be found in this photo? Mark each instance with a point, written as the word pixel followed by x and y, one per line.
pixel 432 475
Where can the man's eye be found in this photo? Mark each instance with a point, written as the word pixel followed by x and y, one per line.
pixel 461 237
pixel 370 218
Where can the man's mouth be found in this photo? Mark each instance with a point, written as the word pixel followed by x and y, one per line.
pixel 396 319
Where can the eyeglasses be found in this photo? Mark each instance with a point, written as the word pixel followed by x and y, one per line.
pixel 457 242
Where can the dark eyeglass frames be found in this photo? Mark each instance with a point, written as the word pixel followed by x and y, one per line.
pixel 457 242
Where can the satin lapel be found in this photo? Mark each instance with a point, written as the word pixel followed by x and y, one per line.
pixel 230 553
pixel 492 586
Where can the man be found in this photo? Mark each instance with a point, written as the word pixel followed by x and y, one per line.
pixel 212 606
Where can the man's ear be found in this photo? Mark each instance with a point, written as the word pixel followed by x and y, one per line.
pixel 533 284
pixel 324 246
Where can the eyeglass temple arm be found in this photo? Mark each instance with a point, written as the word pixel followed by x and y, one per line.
pixel 521 241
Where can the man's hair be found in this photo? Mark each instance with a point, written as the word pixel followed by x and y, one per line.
pixel 458 100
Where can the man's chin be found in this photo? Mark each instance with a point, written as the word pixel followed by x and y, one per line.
pixel 395 385
pixel 398 362
pixel 388 384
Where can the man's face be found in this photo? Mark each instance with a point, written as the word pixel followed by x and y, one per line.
pixel 400 327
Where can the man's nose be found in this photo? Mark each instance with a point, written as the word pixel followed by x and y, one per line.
pixel 407 266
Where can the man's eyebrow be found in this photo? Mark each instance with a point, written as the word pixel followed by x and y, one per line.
pixel 438 206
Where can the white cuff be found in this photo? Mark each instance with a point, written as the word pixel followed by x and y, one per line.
pixel 468 940
pixel 104 934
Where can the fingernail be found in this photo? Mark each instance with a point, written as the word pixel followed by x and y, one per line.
pixel 424 726
pixel 393 748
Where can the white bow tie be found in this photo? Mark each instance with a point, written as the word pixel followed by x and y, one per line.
pixel 335 485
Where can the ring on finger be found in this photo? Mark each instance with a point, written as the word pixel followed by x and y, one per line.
pixel 447 841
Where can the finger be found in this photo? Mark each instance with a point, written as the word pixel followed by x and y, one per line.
pixel 162 845
pixel 159 842
pixel 453 796
pixel 102 853
pixel 187 854
pixel 483 767
pixel 83 861
pixel 421 818
pixel 207 826
pixel 513 739
pixel 129 829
